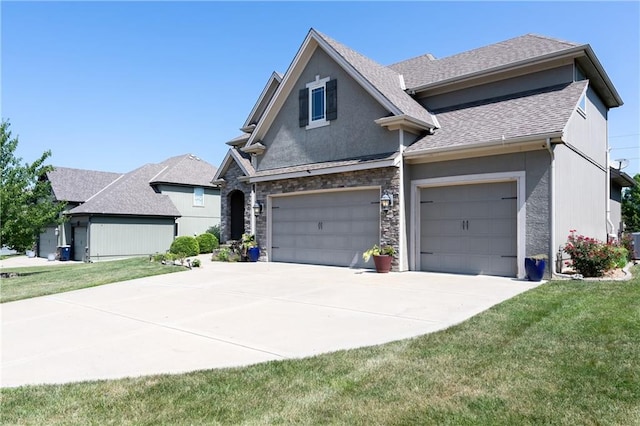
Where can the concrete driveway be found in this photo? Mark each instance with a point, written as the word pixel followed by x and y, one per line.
pixel 229 314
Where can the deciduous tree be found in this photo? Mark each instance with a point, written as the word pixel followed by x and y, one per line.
pixel 26 202
pixel 631 206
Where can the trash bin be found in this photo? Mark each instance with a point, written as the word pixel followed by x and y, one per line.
pixel 65 252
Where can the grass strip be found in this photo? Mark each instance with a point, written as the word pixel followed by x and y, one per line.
pixel 44 280
pixel 565 353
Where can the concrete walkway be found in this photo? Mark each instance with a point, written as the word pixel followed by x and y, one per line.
pixel 229 314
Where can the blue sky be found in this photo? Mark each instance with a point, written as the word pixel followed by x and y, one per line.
pixel 114 85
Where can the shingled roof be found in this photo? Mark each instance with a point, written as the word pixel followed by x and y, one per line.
pixel 521 115
pixel 426 70
pixel 131 195
pixel 185 170
pixel 77 185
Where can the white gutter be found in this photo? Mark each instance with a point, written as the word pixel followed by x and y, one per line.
pixel 488 144
pixel 552 212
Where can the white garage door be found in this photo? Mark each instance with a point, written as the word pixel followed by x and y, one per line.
pixel 331 228
pixel 469 229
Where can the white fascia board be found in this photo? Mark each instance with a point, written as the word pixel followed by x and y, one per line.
pixel 493 143
pixel 274 78
pixel 329 170
pixel 223 166
pixel 607 81
pixel 286 85
pixel 226 162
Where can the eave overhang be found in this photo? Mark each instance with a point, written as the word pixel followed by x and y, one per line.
pixel 319 171
pixel 257 149
pixel 518 144
pixel 404 122
pixel 621 178
pixel 583 54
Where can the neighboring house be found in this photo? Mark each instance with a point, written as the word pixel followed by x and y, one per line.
pixel 619 180
pixel 487 156
pixel 132 214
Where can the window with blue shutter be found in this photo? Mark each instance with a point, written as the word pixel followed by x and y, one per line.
pixel 318 103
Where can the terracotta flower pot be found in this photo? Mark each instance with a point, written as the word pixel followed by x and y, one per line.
pixel 383 263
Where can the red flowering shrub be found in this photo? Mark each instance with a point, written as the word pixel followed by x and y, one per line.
pixel 589 256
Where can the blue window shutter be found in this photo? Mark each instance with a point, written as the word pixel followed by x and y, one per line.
pixel 303 99
pixel 332 99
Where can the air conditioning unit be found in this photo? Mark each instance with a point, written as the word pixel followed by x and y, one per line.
pixel 635 236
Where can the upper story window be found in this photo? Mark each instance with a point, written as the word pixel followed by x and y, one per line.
pixel 318 103
pixel 198 197
pixel 582 104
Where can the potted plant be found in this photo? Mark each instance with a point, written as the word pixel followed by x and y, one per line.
pixel 382 257
pixel 534 266
pixel 250 249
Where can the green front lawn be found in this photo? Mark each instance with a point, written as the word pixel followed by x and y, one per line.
pixel 565 353
pixel 42 280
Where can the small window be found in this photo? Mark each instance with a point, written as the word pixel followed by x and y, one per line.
pixel 318 103
pixel 582 105
pixel 198 197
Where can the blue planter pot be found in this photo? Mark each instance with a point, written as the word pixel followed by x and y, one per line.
pixel 253 253
pixel 534 268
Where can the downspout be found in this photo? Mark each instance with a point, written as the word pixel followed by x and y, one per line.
pixel 552 208
pixel 610 225
pixel 253 202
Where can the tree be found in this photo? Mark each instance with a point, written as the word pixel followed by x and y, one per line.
pixel 631 206
pixel 26 202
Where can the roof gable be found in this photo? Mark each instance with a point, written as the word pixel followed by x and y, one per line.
pixel 186 170
pixel 239 158
pixel 384 84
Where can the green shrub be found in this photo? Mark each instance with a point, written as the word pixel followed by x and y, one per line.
pixel 195 263
pixel 185 245
pixel 215 230
pixel 627 242
pixel 207 242
pixel 620 256
pixel 223 255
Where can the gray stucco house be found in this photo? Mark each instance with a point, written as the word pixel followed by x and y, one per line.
pixel 485 157
pixel 132 214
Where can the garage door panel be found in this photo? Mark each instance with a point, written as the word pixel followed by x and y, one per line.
pixel 469 228
pixel 330 228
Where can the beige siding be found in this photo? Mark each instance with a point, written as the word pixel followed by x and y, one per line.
pixel 580 194
pixel 194 219
pixel 588 132
pixel 124 236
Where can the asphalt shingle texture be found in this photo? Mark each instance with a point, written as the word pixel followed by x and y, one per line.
pixel 530 113
pixel 423 70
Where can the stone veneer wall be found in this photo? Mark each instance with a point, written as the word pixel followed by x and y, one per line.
pixel 387 178
pixel 232 183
